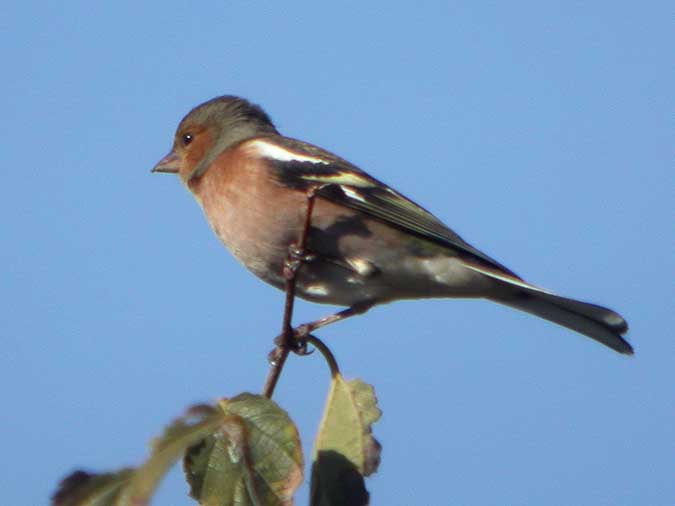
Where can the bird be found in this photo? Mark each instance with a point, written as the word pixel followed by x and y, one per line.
pixel 367 244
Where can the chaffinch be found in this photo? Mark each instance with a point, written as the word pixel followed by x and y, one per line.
pixel 368 244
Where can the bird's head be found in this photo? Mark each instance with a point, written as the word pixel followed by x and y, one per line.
pixel 208 130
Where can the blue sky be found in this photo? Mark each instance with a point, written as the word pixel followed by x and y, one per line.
pixel 540 131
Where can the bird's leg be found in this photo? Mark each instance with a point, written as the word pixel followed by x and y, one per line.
pixel 302 331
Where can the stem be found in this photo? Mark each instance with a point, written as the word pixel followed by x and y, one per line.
pixel 327 354
pixel 292 265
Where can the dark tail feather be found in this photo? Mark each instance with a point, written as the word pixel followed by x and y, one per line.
pixel 596 322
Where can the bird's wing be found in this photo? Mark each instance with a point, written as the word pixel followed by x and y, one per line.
pixel 302 166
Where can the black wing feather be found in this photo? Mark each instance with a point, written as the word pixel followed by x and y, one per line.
pixel 341 182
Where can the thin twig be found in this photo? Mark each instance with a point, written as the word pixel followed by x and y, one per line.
pixel 293 263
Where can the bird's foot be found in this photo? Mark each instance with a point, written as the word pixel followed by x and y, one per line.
pixel 296 257
pixel 297 343
pixel 295 252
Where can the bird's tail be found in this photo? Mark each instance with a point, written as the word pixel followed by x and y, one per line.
pixel 596 322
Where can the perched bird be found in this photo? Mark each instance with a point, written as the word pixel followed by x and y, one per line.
pixel 367 243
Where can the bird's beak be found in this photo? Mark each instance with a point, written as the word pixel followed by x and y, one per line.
pixel 169 164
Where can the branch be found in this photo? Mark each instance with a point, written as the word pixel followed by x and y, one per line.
pixel 296 256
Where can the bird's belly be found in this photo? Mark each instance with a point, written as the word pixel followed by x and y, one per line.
pixel 399 278
pixel 348 280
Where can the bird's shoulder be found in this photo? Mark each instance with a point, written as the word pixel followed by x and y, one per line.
pixel 300 164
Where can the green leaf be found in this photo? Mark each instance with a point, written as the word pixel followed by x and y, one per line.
pixel 87 489
pixel 345 450
pixel 134 487
pixel 256 459
pixel 199 423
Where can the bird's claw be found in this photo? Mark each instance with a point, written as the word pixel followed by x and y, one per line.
pixel 300 254
pixel 297 342
pixel 300 348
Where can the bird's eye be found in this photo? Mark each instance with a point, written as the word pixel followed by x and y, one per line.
pixel 187 139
